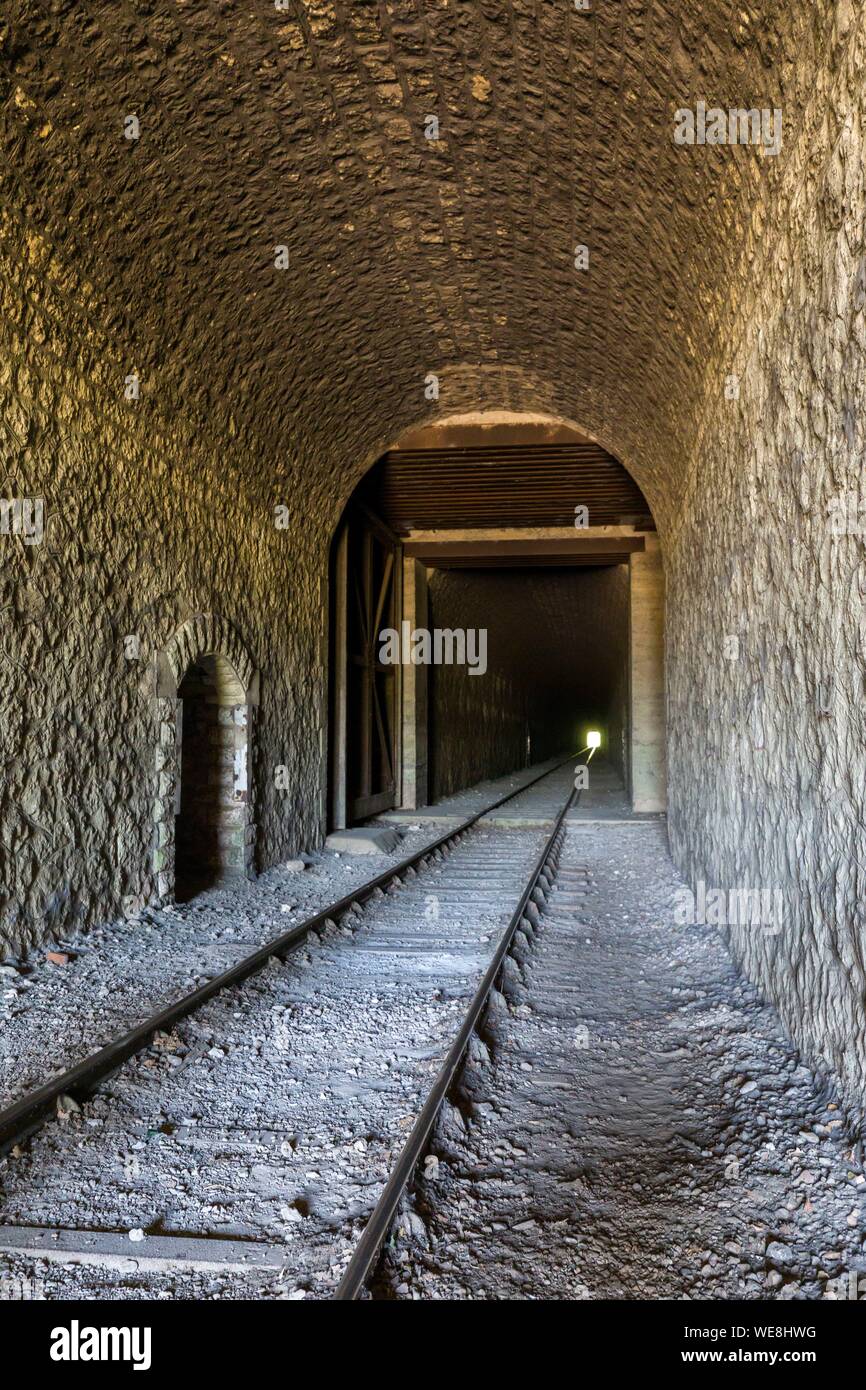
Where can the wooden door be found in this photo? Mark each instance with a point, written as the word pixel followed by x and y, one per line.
pixel 365 756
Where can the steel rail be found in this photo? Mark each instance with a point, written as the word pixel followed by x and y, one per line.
pixel 25 1115
pixel 366 1253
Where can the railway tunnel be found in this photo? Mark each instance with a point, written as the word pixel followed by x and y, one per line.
pixel 405 407
pixel 529 555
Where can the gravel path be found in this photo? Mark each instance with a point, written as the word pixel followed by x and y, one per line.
pixel 55 1012
pixel 273 1114
pixel 637 1126
pixel 632 1124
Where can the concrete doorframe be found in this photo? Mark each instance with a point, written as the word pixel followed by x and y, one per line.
pixel 647 761
pixel 647 733
pixel 414 780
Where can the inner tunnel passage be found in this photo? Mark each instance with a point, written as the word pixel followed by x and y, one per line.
pixel 466 643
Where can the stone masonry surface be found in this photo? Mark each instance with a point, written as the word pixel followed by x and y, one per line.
pixel 714 345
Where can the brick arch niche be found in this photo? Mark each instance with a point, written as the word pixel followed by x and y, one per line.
pixel 207 691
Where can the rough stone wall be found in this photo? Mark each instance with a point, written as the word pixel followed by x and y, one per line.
pixel 305 129
pixel 767 625
pixel 152 515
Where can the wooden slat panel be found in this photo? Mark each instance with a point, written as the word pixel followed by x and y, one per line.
pixel 526 485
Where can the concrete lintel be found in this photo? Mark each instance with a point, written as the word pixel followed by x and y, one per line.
pixel 647 679
pixel 414 790
pixel 419 534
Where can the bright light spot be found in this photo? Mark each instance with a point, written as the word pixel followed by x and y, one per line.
pixel 593 739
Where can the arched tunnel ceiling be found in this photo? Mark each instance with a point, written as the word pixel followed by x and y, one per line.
pixel 303 126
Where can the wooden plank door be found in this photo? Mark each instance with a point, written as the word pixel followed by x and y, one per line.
pixel 370 569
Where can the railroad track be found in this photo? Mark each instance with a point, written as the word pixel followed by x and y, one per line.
pixel 367 1252
pixel 432 920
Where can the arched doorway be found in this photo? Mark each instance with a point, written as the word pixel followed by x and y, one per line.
pixel 207 694
pixel 522 534
pixel 211 820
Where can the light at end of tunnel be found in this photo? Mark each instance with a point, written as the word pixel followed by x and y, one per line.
pixel 593 739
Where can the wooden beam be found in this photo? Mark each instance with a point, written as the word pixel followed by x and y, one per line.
pixel 598 550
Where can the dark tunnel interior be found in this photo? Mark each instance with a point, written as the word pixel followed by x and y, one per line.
pixel 557 664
